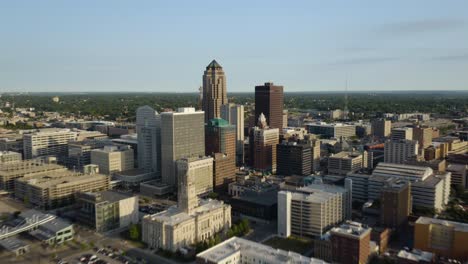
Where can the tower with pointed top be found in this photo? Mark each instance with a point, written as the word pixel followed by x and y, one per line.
pixel 214 93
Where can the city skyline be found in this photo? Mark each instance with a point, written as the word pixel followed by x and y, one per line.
pixel 306 46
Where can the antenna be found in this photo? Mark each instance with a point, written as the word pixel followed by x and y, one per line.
pixel 345 109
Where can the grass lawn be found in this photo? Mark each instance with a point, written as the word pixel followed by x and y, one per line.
pixel 295 244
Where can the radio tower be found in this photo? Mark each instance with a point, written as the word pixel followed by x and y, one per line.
pixel 345 109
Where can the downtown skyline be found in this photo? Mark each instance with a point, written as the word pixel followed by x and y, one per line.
pixel 161 47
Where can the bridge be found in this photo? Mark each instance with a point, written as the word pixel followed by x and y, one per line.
pixel 30 220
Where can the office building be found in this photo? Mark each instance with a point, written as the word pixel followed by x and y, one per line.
pixel 234 114
pixel 334 130
pixel 395 204
pixel 263 146
pixel 189 222
pixel 200 169
pixel 311 210
pixel 399 133
pixel 47 142
pixel 399 151
pixel 429 189
pixel 423 135
pixel 224 171
pixel 294 158
pixel 220 137
pixel 381 128
pixel 50 190
pixel 214 93
pixel 7 157
pixel 442 237
pixel 345 162
pixel 53 232
pixel 350 243
pixel 148 126
pixel 269 102
pixel 459 174
pixel 79 152
pixel 238 250
pixel 112 159
pixel 11 171
pixel 182 136
pixel 108 210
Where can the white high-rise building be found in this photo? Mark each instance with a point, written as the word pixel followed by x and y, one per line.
pixel 182 136
pixel 148 125
pixel 47 142
pixel 311 210
pixel 399 151
pixel 234 114
pixel 202 170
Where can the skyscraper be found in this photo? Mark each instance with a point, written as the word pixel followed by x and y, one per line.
pixel 220 137
pixel 148 125
pixel 381 128
pixel 234 114
pixel 269 101
pixel 214 91
pixel 182 136
pixel 264 141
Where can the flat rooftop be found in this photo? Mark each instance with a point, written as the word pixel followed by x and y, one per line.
pixel 434 221
pixel 352 229
pixel 416 255
pixel 250 248
pixel 52 178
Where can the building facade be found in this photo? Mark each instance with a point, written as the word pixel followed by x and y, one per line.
pixel 182 136
pixel 350 243
pixel 189 222
pixel 399 151
pixel 108 210
pixel 44 143
pixel 112 159
pixel 442 237
pixel 220 137
pixel 148 126
pixel 264 143
pixel 200 169
pixel 395 204
pixel 345 162
pixel 381 128
pixel 234 114
pixel 214 93
pixel 50 190
pixel 269 101
pixel 312 210
pixel 294 158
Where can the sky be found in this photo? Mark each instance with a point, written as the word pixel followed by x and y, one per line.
pixel 164 46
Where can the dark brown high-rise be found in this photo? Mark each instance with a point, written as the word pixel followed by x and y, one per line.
pixel 269 101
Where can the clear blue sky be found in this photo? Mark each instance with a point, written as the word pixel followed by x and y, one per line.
pixel 164 46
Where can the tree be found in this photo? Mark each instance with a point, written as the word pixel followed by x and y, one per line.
pixel 134 232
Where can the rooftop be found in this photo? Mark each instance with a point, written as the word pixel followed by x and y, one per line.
pixel 434 221
pixel 402 170
pixel 416 255
pixel 173 215
pixel 249 248
pixel 353 229
pixel 213 65
pixel 58 178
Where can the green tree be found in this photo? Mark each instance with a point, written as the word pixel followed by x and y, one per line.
pixel 134 232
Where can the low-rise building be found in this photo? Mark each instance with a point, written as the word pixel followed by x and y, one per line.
pixel 107 210
pixel 442 237
pixel 111 159
pixel 50 190
pixel 238 250
pixel 10 157
pixel 346 162
pixel 11 171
